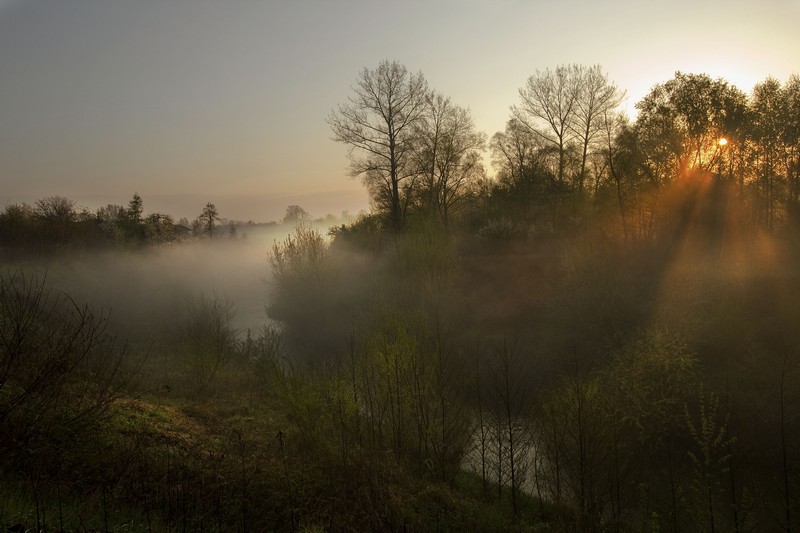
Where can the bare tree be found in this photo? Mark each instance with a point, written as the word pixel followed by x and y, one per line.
pixel 511 395
pixel 596 98
pixel 549 107
pixel 55 209
pixel 516 153
pixel 377 124
pixel 448 152
pixel 520 158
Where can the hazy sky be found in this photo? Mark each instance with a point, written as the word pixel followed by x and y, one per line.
pixel 190 101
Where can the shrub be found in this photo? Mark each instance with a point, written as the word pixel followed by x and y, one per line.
pixel 207 339
pixel 59 371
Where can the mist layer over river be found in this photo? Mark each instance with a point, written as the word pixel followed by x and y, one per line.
pixel 147 291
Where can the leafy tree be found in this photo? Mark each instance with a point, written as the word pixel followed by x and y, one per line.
pixel 681 121
pixel 791 139
pixel 613 126
pixel 377 124
pixel 636 182
pixel 769 112
pixel 709 454
pixel 677 136
pixel 17 225
pixel 159 228
pixel 295 214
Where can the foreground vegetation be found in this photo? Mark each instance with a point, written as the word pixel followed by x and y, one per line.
pixel 216 433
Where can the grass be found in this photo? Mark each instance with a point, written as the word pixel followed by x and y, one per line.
pixel 147 473
pixel 57 508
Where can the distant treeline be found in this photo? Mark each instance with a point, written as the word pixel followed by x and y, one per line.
pixel 55 222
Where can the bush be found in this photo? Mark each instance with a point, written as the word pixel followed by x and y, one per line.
pixel 299 272
pixel 300 257
pixel 59 371
pixel 207 339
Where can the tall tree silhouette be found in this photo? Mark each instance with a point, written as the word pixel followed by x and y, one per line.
pixel 377 124
pixel 207 221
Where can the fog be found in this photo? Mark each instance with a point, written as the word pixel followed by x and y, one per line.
pixel 145 292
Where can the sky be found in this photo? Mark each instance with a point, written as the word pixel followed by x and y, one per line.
pixel 192 101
